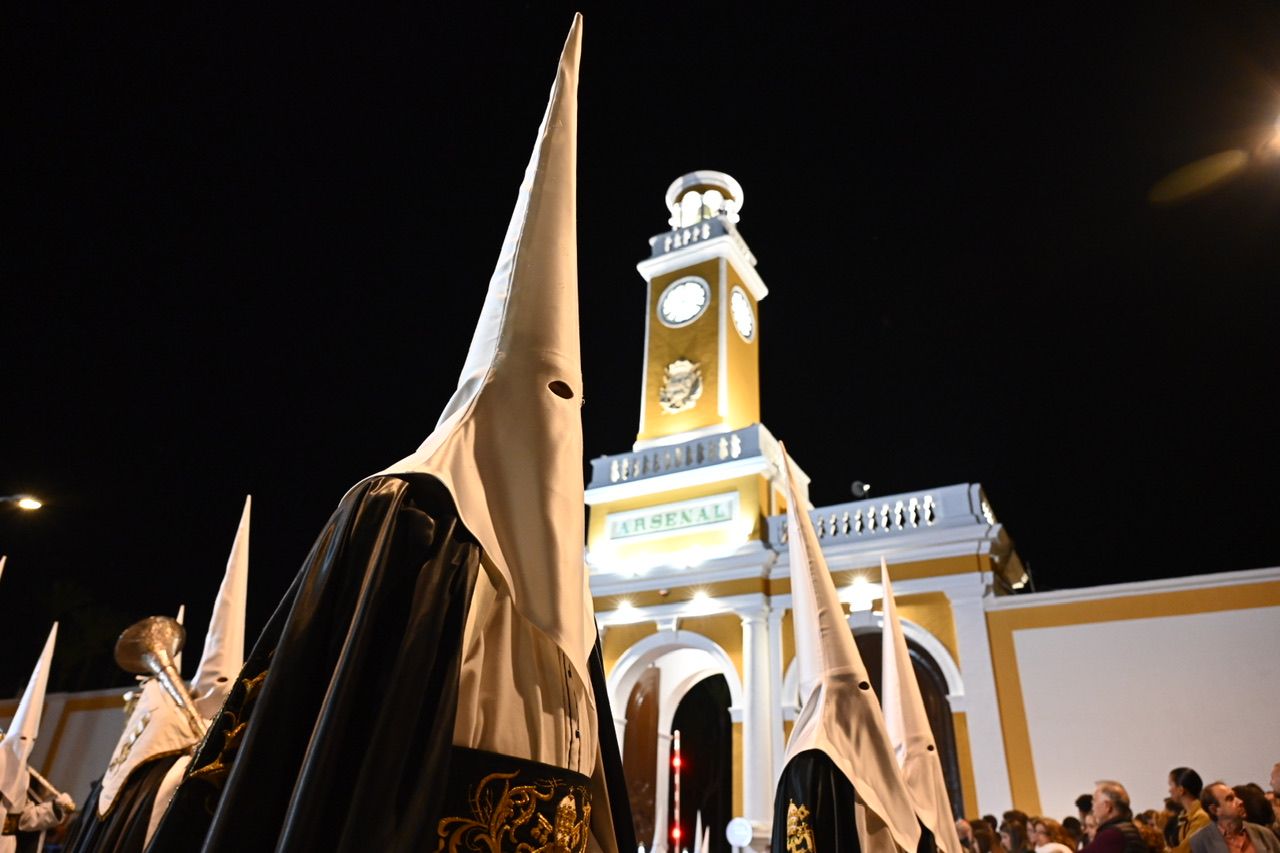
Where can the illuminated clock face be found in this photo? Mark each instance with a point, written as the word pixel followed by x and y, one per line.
pixel 684 301
pixel 744 319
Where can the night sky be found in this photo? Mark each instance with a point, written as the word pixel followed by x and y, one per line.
pixel 246 254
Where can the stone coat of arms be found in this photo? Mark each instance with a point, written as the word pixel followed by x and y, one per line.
pixel 681 386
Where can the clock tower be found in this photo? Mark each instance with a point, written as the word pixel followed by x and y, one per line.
pixel 703 473
pixel 701 360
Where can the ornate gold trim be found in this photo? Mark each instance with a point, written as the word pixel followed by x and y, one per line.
pixel 506 817
pixel 799 833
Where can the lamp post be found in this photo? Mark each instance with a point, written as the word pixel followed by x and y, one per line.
pixel 23 502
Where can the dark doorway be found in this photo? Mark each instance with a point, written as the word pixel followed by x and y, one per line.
pixel 640 752
pixel 706 771
pixel 933 689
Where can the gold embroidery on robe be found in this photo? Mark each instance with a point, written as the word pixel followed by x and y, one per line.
pixel 799 833
pixel 126 745
pixel 231 729
pixel 505 817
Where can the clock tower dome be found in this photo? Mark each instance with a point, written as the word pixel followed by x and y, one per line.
pixel 702 330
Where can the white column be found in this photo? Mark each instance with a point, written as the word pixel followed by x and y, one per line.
pixel 982 710
pixel 757 717
pixel 661 793
pixel 775 691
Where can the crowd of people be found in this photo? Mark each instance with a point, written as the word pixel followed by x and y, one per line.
pixel 1197 817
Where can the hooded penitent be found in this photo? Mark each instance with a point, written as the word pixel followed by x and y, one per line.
pixel 840 786
pixel 508 446
pixel 154 748
pixel 223 653
pixel 221 660
pixel 18 811
pixel 20 738
pixel 909 731
pixel 432 666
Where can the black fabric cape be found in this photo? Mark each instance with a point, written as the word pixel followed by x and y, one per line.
pixel 813 807
pixel 344 744
pixel 124 829
pixel 813 810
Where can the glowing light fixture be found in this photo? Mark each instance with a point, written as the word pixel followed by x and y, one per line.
pixel 26 502
pixel 859 594
pixel 701 603
pixel 626 613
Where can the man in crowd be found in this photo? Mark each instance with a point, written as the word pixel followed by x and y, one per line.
pixel 1075 829
pixel 1185 787
pixel 1084 806
pixel 1230 832
pixel 1116 832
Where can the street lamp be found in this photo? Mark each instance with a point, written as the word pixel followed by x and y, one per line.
pixel 26 502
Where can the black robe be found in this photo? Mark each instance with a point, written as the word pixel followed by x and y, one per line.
pixel 124 829
pixel 813 810
pixel 338 733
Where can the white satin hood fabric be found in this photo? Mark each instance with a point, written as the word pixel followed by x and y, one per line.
pixel 223 654
pixel 508 446
pixel 908 728
pixel 838 716
pixel 20 738
pixel 181 619
pixel 154 729
pixel 164 793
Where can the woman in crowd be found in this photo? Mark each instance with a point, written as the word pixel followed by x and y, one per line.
pixel 1050 837
pixel 984 837
pixel 1013 836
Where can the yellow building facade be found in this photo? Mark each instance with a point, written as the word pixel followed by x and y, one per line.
pixel 686 535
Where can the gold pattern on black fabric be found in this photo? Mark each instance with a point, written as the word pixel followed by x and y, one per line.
pixel 511 818
pixel 799 833
pixel 232 728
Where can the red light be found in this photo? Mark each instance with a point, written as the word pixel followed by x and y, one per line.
pixel 675 762
pixel 675 833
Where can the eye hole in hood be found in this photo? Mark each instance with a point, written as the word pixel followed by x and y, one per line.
pixel 561 389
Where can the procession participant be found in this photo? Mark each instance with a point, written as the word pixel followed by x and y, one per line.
pixel 24 812
pixel 153 751
pixel 908 728
pixel 840 787
pixel 429 681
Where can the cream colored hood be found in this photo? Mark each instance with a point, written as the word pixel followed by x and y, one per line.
pixel 840 715
pixel 509 443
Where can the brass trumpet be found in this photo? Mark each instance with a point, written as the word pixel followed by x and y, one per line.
pixel 150 645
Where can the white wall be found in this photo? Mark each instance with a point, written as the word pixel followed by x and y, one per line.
pixel 1130 700
pixel 90 723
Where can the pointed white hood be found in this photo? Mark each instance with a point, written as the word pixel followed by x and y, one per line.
pixel 223 654
pixel 509 443
pixel 909 731
pixel 181 619
pixel 20 738
pixel 840 714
